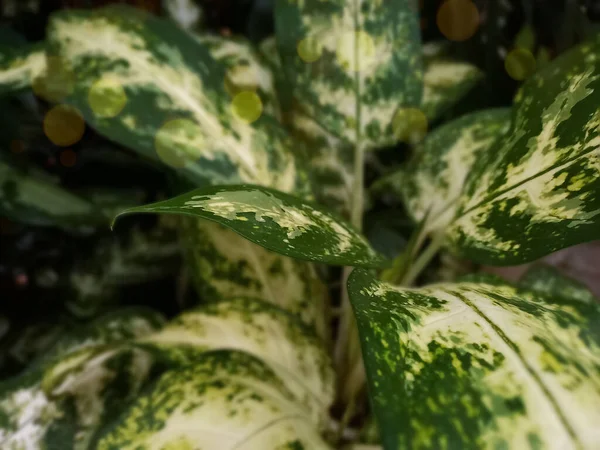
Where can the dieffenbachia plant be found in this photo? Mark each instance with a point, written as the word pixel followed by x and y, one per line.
pixel 474 363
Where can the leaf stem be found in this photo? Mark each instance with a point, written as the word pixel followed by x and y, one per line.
pixel 423 260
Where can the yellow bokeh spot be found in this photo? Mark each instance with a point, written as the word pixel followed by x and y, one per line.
pixel 178 142
pixel 458 20
pixel 309 49
pixel 64 125
pixel 247 106
pixel 58 81
pixel 356 43
pixel 107 97
pixel 409 125
pixel 520 64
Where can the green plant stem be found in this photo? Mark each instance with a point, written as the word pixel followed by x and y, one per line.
pixel 423 260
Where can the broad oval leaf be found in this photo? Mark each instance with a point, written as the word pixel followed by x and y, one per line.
pixel 538 189
pixel 276 221
pixel 171 99
pixel 20 67
pixel 352 65
pixel 479 364
pixel 225 400
pixel 432 182
pixel 226 265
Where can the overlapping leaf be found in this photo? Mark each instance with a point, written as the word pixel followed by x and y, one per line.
pixel 432 182
pixel 538 189
pixel 352 64
pixel 479 364
pixel 163 94
pixel 278 222
pixel 20 67
pixel 226 265
pixel 548 281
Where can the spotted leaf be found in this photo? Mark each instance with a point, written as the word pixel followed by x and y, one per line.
pixel 432 182
pixel 147 84
pixel 445 80
pixel 226 400
pixel 276 221
pixel 538 188
pixel 20 67
pixel 352 64
pixel 479 364
pixel 225 265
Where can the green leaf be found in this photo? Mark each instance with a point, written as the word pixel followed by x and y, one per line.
pixel 225 265
pixel 20 67
pixel 538 189
pixel 352 65
pixel 276 221
pixel 547 280
pixel 431 183
pixel 226 400
pixel 34 197
pixel 445 81
pixel 29 419
pixel 147 84
pixel 478 364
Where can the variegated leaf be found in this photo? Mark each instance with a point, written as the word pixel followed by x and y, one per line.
pixel 20 67
pixel 225 265
pixel 479 364
pixel 188 14
pixel 34 197
pixel 29 420
pixel 352 64
pixel 147 84
pixel 538 189
pixel 276 221
pixel 226 400
pixel 445 81
pixel 432 182
pixel 547 280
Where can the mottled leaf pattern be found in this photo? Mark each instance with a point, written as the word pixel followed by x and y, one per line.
pixel 226 265
pixel 547 280
pixel 479 364
pixel 20 67
pixel 275 220
pixel 538 189
pixel 432 182
pixel 364 63
pixel 177 107
pixel 445 81
pixel 226 400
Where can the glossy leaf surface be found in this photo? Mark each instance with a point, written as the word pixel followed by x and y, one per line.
pixel 274 220
pixel 479 364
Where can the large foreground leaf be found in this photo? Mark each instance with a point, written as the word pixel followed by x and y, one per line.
pixel 538 189
pixel 479 364
pixel 432 182
pixel 149 85
pixel 352 64
pixel 274 220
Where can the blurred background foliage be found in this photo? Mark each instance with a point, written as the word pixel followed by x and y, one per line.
pixel 56 273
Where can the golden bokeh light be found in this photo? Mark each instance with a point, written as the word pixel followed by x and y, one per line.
pixel 247 106
pixel 356 43
pixel 520 64
pixel 309 49
pixel 178 142
pixel 58 81
pixel 458 20
pixel 409 125
pixel 68 158
pixel 107 97
pixel 64 125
